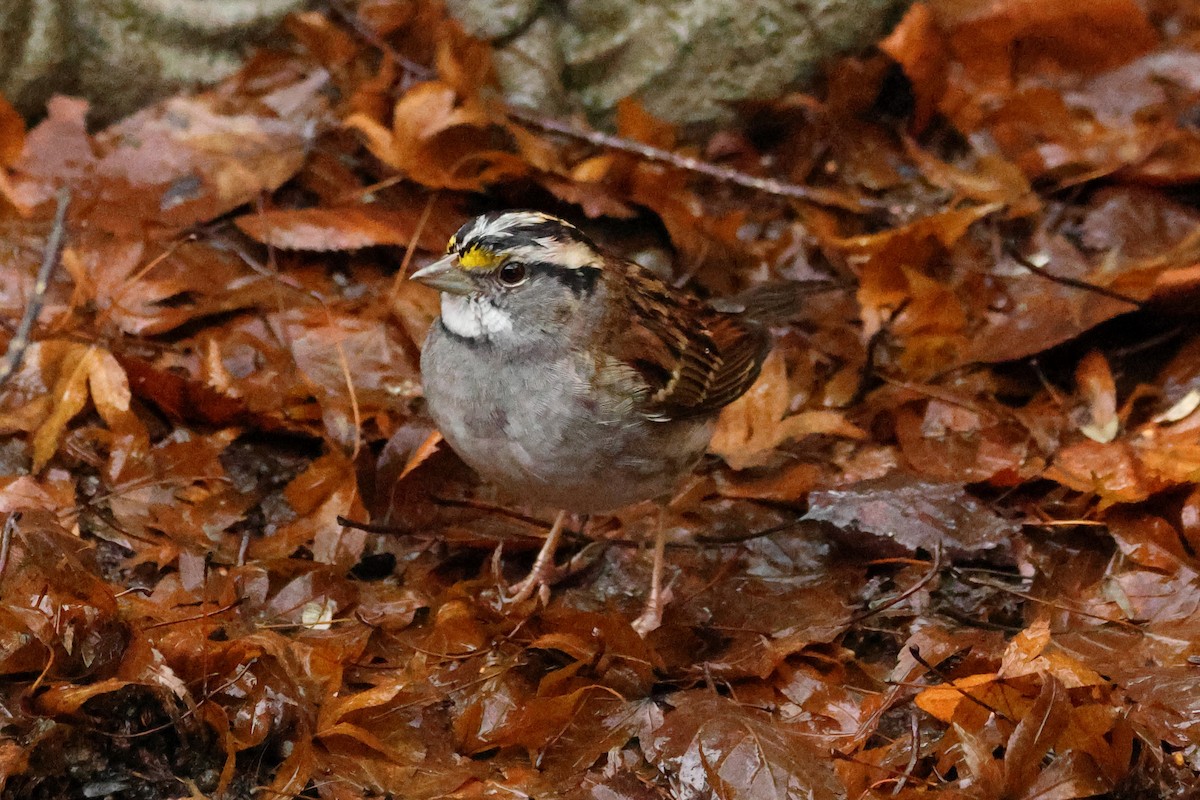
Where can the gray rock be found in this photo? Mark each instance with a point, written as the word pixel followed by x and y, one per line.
pixel 493 19
pixel 687 60
pixel 530 66
pixel 123 54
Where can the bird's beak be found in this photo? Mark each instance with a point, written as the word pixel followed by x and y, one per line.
pixel 445 277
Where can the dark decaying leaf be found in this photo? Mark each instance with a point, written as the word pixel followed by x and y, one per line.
pixel 916 514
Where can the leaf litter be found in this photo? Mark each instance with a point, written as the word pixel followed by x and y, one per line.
pixel 948 544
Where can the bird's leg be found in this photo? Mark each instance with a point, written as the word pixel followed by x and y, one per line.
pixel 651 618
pixel 542 575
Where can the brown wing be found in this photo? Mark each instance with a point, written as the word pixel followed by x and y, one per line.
pixel 689 370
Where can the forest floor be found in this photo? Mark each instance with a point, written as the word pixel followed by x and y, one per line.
pixel 948 544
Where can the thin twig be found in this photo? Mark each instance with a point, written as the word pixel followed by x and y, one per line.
pixel 397 530
pixel 647 152
pixel 410 249
pixel 20 341
pixel 877 767
pixel 934 568
pixel 707 540
pixel 10 526
pixel 915 731
pixel 189 712
pixel 699 541
pixel 364 30
pixel 1049 603
pixel 915 652
pixel 1073 282
pixel 205 615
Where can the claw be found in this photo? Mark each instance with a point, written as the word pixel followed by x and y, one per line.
pixel 543 573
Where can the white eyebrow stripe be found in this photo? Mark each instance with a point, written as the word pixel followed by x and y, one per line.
pixel 470 233
pixel 490 227
pixel 570 255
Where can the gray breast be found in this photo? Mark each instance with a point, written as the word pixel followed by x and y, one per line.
pixel 529 423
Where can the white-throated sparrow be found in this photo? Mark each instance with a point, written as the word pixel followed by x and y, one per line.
pixel 573 378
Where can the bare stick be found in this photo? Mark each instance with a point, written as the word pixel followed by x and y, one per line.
pixel 915 732
pixel 10 525
pixel 1076 283
pixel 657 154
pixel 20 341
pixel 915 652
pixel 934 568
pixel 356 23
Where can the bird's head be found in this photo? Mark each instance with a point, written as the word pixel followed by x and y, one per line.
pixel 518 275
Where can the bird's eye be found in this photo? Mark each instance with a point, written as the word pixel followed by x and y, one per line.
pixel 512 274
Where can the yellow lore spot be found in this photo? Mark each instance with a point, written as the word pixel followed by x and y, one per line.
pixel 478 258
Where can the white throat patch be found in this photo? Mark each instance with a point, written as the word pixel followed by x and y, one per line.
pixel 472 317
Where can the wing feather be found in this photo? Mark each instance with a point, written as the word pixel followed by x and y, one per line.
pixel 688 371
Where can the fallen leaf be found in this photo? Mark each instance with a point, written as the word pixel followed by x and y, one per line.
pixel 12 133
pixel 752 428
pixel 1100 392
pixel 350 228
pixel 917 514
pixel 81 366
pixel 718 748
pixel 918 46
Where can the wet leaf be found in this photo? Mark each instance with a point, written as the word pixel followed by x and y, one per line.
pixel 917 44
pixel 83 372
pixel 752 428
pixel 716 748
pixel 917 514
pixel 1036 733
